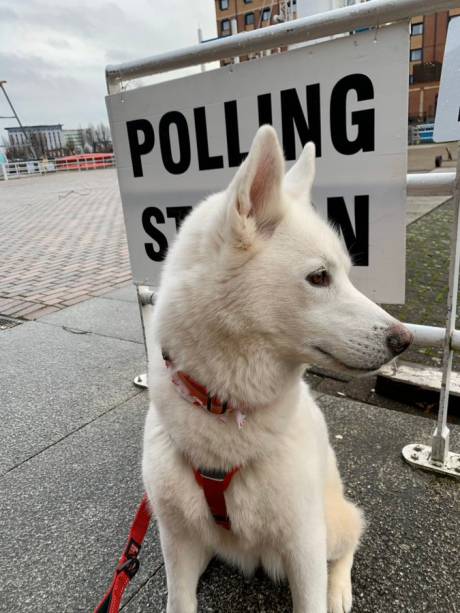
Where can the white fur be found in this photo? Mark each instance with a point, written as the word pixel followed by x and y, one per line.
pixel 236 312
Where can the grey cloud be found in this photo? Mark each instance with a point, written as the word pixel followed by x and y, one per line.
pixel 59 43
pixel 115 56
pixel 42 94
pixel 69 87
pixel 7 14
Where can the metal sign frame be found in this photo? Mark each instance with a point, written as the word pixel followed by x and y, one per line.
pixel 437 457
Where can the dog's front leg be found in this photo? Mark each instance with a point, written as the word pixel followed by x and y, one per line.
pixel 186 557
pixel 305 563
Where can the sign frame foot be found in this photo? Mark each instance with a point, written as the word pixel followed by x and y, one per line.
pixel 141 381
pixel 420 456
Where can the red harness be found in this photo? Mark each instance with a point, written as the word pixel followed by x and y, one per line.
pixel 214 483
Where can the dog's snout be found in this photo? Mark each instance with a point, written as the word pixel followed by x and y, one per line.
pixel 399 338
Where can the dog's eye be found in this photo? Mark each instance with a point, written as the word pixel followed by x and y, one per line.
pixel 320 278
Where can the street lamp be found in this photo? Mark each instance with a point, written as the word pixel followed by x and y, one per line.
pixel 15 115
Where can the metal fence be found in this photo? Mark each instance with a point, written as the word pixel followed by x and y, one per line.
pixel 421 133
pixel 18 170
pixel 372 14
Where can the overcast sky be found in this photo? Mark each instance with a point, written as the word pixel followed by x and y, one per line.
pixel 53 52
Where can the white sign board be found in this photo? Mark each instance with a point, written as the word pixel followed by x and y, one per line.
pixel 180 140
pixel 447 122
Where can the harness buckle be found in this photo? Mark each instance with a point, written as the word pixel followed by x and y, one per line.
pixel 213 474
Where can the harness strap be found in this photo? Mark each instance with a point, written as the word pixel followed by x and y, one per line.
pixel 214 485
pixel 128 564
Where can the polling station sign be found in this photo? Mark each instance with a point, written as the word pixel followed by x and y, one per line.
pixel 180 140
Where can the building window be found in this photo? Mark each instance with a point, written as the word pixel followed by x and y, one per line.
pixel 415 55
pixel 416 29
pixel 266 14
pixel 223 5
pixel 247 1
pixel 411 79
pixel 225 26
pixel 249 19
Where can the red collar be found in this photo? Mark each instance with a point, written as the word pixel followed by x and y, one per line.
pixel 195 392
pixel 198 395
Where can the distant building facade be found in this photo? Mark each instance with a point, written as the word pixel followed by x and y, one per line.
pixel 428 40
pixel 47 140
pixel 74 138
pixel 233 16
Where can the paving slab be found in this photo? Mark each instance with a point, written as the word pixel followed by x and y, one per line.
pixel 418 206
pixel 127 293
pixel 62 240
pixel 115 318
pixel 408 561
pixel 65 514
pixel 53 382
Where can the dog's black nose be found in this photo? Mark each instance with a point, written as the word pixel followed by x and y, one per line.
pixel 399 338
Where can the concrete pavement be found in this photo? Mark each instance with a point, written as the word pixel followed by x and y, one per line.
pixel 70 482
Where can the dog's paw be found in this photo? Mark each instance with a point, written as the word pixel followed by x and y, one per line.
pixel 339 598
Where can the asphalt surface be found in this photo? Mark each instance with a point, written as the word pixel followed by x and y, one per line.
pixel 70 482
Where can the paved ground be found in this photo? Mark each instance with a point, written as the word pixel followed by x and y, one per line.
pixel 62 240
pixel 70 481
pixel 421 158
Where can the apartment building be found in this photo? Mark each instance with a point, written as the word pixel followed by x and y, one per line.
pixel 233 16
pixel 46 139
pixel 427 42
pixel 74 139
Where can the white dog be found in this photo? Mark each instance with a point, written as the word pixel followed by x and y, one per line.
pixel 256 287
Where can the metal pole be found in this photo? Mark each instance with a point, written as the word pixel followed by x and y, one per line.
pixel 437 457
pixel 431 184
pixel 234 30
pixel 145 297
pixel 338 21
pixel 440 440
pixel 200 40
pixel 2 86
pixel 431 336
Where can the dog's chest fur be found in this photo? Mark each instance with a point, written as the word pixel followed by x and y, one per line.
pixel 280 449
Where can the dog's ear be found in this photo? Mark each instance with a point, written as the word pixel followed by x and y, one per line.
pixel 299 179
pixel 255 193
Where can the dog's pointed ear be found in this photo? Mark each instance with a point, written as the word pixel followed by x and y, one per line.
pixel 299 179
pixel 255 193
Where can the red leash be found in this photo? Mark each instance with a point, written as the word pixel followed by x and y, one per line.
pixel 213 484
pixel 128 564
